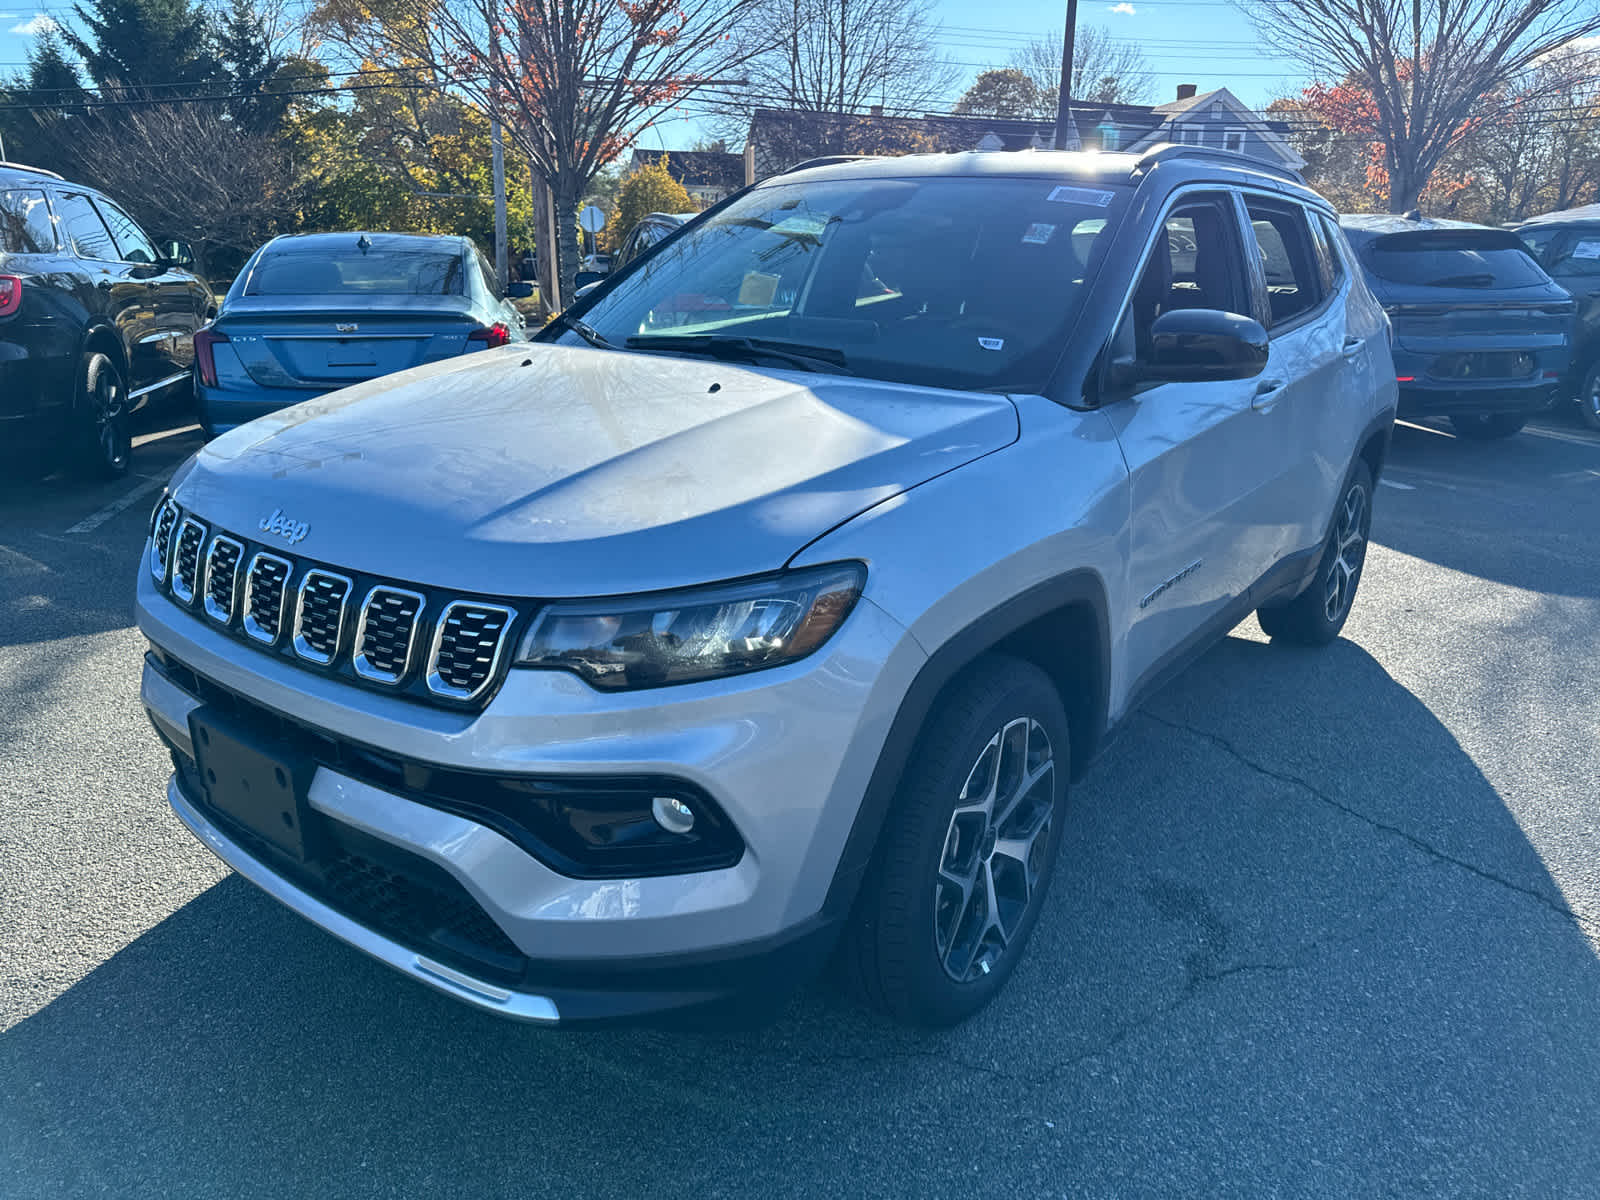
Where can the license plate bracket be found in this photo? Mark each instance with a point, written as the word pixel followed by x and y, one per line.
pixel 262 785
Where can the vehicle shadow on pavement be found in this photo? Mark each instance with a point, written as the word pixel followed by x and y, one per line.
pixel 1296 944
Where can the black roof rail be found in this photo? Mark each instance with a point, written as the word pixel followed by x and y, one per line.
pixel 16 166
pixel 826 160
pixel 1243 162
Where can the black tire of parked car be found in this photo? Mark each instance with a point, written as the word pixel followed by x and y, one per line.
pixel 1486 427
pixel 100 442
pixel 1589 396
pixel 1315 617
pixel 889 955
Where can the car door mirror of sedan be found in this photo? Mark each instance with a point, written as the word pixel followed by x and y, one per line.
pixel 1195 345
pixel 519 291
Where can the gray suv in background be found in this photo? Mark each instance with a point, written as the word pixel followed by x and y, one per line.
pixel 765 608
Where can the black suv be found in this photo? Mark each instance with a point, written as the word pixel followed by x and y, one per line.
pixel 94 320
pixel 1567 245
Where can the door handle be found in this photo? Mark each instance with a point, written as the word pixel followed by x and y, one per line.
pixel 1268 393
pixel 1353 344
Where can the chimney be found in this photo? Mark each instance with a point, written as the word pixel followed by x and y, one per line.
pixel 1186 91
pixel 876 110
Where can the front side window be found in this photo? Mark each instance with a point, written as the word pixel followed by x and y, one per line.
pixel 1576 254
pixel 1288 259
pixel 1195 263
pixel 25 222
pixel 946 282
pixel 131 241
pixel 85 232
pixel 357 271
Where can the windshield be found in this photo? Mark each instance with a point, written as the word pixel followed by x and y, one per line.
pixel 949 282
pixel 380 272
pixel 1463 259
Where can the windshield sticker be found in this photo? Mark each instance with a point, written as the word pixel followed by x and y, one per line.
pixel 1077 195
pixel 992 343
pixel 757 290
pixel 1586 250
pixel 1038 233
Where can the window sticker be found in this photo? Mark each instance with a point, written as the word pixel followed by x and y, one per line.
pixel 1078 195
pixel 1586 250
pixel 1038 233
pixel 992 343
pixel 757 289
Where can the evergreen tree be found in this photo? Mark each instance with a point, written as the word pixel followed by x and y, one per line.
pixel 138 44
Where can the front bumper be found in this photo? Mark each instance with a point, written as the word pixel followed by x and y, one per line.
pixel 786 754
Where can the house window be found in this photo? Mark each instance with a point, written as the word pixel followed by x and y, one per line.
pixel 1233 139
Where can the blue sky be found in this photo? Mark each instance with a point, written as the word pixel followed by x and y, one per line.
pixel 1205 42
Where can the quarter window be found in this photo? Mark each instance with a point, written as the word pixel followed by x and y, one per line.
pixel 1288 259
pixel 25 222
pixel 1329 258
pixel 131 241
pixel 85 232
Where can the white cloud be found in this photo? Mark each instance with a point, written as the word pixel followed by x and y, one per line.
pixel 35 26
pixel 1124 8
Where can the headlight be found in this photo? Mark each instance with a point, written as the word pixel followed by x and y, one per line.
pixel 676 637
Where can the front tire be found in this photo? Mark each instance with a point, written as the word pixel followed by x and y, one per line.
pixel 102 443
pixel 968 849
pixel 1486 427
pixel 1589 396
pixel 1317 615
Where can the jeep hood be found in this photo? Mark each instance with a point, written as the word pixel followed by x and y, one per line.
pixel 555 471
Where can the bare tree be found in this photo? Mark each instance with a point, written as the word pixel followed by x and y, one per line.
pixel 188 171
pixel 1105 69
pixel 576 80
pixel 1427 64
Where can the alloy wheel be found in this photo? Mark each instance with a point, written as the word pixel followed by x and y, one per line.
pixel 1350 551
pixel 109 410
pixel 994 850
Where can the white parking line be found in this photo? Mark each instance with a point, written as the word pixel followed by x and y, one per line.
pixel 96 519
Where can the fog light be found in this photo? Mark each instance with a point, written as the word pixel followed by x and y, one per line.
pixel 672 814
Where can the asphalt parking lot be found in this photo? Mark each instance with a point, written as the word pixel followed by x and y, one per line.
pixel 1326 924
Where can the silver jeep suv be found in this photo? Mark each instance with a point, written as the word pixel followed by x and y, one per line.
pixel 764 609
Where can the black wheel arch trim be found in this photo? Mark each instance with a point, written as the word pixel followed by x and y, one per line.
pixel 1077 589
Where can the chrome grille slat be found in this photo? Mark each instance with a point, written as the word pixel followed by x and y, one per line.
pixel 224 563
pixel 266 596
pixel 319 615
pixel 386 634
pixel 186 560
pixel 161 530
pixel 466 648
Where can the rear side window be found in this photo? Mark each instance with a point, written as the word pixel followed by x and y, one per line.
pixel 85 232
pixel 131 241
pixel 354 272
pixel 1288 259
pixel 25 222
pixel 1454 258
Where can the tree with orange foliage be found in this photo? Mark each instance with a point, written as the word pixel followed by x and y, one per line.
pixel 1468 49
pixel 575 81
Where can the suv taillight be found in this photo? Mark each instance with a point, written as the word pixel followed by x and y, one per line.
pixel 205 358
pixel 10 294
pixel 496 335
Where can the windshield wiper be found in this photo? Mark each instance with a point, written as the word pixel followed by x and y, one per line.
pixel 1482 279
pixel 807 358
pixel 584 330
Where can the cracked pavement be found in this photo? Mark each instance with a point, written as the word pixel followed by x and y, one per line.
pixel 1325 924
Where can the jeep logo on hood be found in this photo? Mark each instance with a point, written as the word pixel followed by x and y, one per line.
pixel 289 530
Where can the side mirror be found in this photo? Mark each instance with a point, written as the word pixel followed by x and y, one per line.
pixel 1197 345
pixel 519 291
pixel 178 254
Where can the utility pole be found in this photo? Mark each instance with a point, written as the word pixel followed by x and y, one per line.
pixel 1066 132
pixel 502 254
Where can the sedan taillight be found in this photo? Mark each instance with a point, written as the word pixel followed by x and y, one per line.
pixel 205 358
pixel 497 334
pixel 10 294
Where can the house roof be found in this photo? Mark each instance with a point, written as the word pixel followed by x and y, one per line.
pixel 697 168
pixel 1174 107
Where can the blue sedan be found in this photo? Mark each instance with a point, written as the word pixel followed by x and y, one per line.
pixel 311 313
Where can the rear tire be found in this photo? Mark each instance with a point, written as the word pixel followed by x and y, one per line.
pixel 1589 397
pixel 1317 615
pixel 101 442
pixel 1486 427
pixel 968 849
